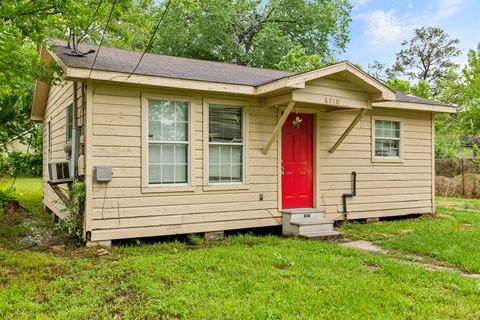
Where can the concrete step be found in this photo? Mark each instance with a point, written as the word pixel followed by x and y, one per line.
pixel 321 235
pixel 315 228
pixel 300 215
pixel 305 222
pixel 303 210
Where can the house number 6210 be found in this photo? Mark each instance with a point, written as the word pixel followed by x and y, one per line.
pixel 330 100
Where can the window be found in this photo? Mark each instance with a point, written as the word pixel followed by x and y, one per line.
pixel 387 139
pixel 49 142
pixel 167 142
pixel 226 146
pixel 69 126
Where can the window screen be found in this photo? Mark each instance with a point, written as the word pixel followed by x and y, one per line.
pixel 167 142
pixel 387 139
pixel 49 142
pixel 69 126
pixel 226 147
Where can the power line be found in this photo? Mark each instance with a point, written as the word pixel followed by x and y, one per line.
pixel 103 37
pixel 151 38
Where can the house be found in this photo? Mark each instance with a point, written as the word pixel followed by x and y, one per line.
pixel 18 144
pixel 185 146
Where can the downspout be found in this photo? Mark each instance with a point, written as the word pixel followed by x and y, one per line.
pixel 349 195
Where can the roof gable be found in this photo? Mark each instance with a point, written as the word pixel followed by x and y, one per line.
pixel 344 69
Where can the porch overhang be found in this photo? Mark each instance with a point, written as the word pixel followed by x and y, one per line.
pixel 379 92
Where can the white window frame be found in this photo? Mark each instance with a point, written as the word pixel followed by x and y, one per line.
pixel 376 158
pixel 49 141
pixel 213 186
pixel 69 109
pixel 148 187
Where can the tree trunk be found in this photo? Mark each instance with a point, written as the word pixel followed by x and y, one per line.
pixel 10 207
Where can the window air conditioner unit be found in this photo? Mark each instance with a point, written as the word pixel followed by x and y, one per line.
pixel 59 172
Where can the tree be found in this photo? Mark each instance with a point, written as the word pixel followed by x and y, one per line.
pixel 421 89
pixel 22 26
pixel 298 61
pixel 470 98
pixel 25 24
pixel 378 70
pixel 253 32
pixel 427 56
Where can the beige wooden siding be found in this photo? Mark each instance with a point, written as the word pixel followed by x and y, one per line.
pixel 60 96
pixel 383 188
pixel 122 210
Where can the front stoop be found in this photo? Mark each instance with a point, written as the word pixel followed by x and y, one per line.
pixel 309 223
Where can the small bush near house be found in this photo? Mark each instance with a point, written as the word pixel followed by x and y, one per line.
pixel 21 164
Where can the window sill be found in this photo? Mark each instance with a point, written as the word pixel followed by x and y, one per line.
pixel 221 187
pixel 167 189
pixel 387 160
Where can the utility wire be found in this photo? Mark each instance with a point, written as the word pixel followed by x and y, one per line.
pixel 103 37
pixel 151 38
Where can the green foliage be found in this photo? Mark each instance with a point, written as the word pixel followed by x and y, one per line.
pixel 469 100
pixel 298 61
pixel 253 32
pixel 248 32
pixel 195 239
pixel 72 223
pixel 25 24
pixel 447 137
pixel 427 56
pixel 420 89
pixel 424 68
pixel 7 194
pixel 17 163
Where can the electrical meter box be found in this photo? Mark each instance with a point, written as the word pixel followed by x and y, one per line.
pixel 103 173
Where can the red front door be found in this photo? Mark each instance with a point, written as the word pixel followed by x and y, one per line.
pixel 297 161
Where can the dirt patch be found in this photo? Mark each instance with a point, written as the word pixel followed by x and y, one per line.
pixel 24 230
pixel 363 245
pixel 13 207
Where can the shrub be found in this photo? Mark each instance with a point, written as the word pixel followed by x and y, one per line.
pixel 21 164
pixel 72 223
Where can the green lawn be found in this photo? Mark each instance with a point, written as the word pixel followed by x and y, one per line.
pixel 241 277
pixel 452 237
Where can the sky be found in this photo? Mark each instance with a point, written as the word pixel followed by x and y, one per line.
pixel 379 26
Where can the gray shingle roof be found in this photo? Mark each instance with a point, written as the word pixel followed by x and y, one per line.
pixel 403 97
pixel 118 60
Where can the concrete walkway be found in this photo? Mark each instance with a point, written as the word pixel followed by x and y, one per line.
pixel 363 245
pixel 410 259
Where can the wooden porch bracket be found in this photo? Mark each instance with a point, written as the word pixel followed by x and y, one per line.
pixel 63 197
pixel 278 127
pixel 349 129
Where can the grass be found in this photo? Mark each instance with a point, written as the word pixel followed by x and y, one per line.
pixel 452 236
pixel 244 276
